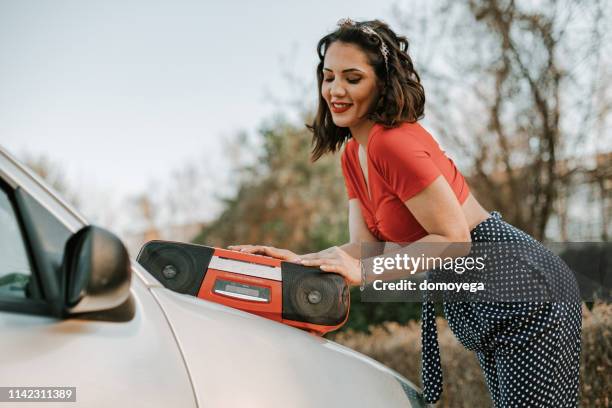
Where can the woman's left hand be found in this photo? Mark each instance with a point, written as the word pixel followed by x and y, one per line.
pixel 335 260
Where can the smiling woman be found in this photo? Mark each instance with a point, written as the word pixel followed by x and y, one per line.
pixel 349 92
pixel 403 188
pixel 364 75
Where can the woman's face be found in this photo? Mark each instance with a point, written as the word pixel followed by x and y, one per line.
pixel 350 86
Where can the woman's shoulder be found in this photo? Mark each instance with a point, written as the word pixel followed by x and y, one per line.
pixel 406 136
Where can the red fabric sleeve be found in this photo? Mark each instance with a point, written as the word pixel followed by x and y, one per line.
pixel 404 163
pixel 350 190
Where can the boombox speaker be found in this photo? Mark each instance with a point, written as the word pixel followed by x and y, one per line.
pixel 290 293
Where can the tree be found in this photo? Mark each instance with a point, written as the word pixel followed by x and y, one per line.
pixel 518 89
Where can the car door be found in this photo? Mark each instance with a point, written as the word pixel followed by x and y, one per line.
pixel 123 357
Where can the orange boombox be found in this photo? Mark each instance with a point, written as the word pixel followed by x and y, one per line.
pixel 289 293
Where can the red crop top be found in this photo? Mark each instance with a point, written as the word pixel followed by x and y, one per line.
pixel 401 162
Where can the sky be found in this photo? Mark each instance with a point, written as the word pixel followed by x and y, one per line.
pixel 121 93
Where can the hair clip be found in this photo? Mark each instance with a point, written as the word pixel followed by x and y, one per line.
pixel 346 22
pixel 384 50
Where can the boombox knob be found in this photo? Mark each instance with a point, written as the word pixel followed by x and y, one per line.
pixel 169 271
pixel 314 297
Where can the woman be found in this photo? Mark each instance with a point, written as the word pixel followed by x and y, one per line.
pixel 403 188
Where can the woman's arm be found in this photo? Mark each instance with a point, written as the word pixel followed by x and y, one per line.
pixel 358 232
pixel 437 209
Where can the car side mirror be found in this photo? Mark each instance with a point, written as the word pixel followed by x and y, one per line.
pixel 97 271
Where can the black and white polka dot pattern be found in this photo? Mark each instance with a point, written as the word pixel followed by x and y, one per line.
pixel 529 351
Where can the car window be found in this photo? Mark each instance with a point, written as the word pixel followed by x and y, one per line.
pixel 15 271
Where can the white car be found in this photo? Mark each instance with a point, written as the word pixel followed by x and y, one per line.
pixel 76 312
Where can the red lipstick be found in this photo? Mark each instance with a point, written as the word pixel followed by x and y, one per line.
pixel 338 107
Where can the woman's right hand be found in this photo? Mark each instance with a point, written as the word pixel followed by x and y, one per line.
pixel 284 254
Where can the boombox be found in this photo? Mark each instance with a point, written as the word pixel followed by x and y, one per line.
pixel 290 293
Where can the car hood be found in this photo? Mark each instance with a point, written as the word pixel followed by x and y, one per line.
pixel 240 359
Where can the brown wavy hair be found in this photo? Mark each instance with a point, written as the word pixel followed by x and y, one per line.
pixel 402 98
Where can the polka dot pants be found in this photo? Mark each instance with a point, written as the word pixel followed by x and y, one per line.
pixel 529 351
